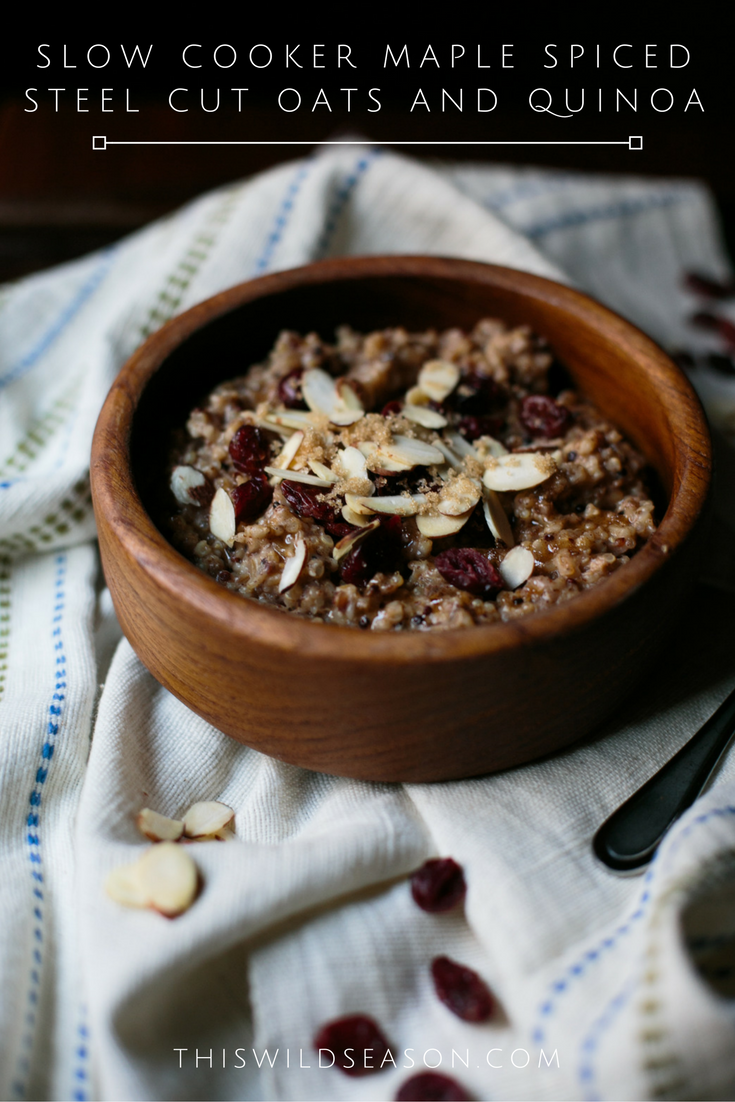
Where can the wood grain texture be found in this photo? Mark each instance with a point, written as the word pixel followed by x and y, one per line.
pixel 394 706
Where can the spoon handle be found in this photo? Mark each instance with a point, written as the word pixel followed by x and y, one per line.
pixel 628 839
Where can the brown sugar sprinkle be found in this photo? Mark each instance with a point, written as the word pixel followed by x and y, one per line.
pixel 447 445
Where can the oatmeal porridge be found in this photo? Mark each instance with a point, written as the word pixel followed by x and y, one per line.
pixel 408 481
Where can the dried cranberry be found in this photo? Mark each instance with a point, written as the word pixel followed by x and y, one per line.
pixel 431 1086
pixel 391 407
pixel 377 553
pixel 468 569
pixel 723 364
pixel 438 885
pixel 289 390
pixel 252 498
pixel 249 449
pixel 727 331
pixel 307 501
pixel 477 394
pixel 472 427
pixel 543 417
pixel 355 569
pixel 461 990
pixel 357 1044
pixel 703 319
pixel 705 285
pixel 685 360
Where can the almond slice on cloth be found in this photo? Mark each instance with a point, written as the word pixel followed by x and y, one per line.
pixel 222 517
pixel 158 828
pixel 124 886
pixel 518 472
pixel 206 817
pixel 169 878
pixel 517 567
pixel 290 575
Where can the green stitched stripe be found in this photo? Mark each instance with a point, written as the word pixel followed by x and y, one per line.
pixel 73 509
pixel 4 620
pixel 177 283
pixel 39 433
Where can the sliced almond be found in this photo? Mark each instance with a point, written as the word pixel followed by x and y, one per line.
pixel 358 519
pixel 347 394
pixel 422 415
pixel 459 496
pixel 402 505
pixel 517 567
pixel 367 447
pixel 190 487
pixel 405 449
pixel 461 446
pixel 451 457
pixel 436 527
pixel 496 517
pixel 518 472
pixel 222 517
pixel 322 396
pixel 379 460
pixel 416 397
pixel 207 817
pixel 298 476
pixel 349 541
pixel 489 446
pixel 157 827
pixel 169 878
pixel 288 454
pixel 289 418
pixel 322 471
pixel 319 391
pixel 438 378
pixel 293 565
pixel 124 886
pixel 352 462
pixel 359 505
pixel 272 426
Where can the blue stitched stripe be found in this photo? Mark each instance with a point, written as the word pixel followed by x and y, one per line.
pixel 33 820
pixel 281 220
pixel 626 208
pixel 31 358
pixel 340 200
pixel 80 1088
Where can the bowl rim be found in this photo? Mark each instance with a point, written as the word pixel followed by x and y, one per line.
pixel 251 621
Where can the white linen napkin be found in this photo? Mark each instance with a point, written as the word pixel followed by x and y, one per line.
pixel 607 987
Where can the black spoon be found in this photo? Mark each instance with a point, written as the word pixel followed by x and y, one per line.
pixel 628 839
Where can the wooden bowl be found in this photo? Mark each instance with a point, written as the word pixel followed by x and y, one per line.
pixel 394 706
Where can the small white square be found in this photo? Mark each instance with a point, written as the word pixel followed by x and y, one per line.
pixel 635 141
pixel 99 141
